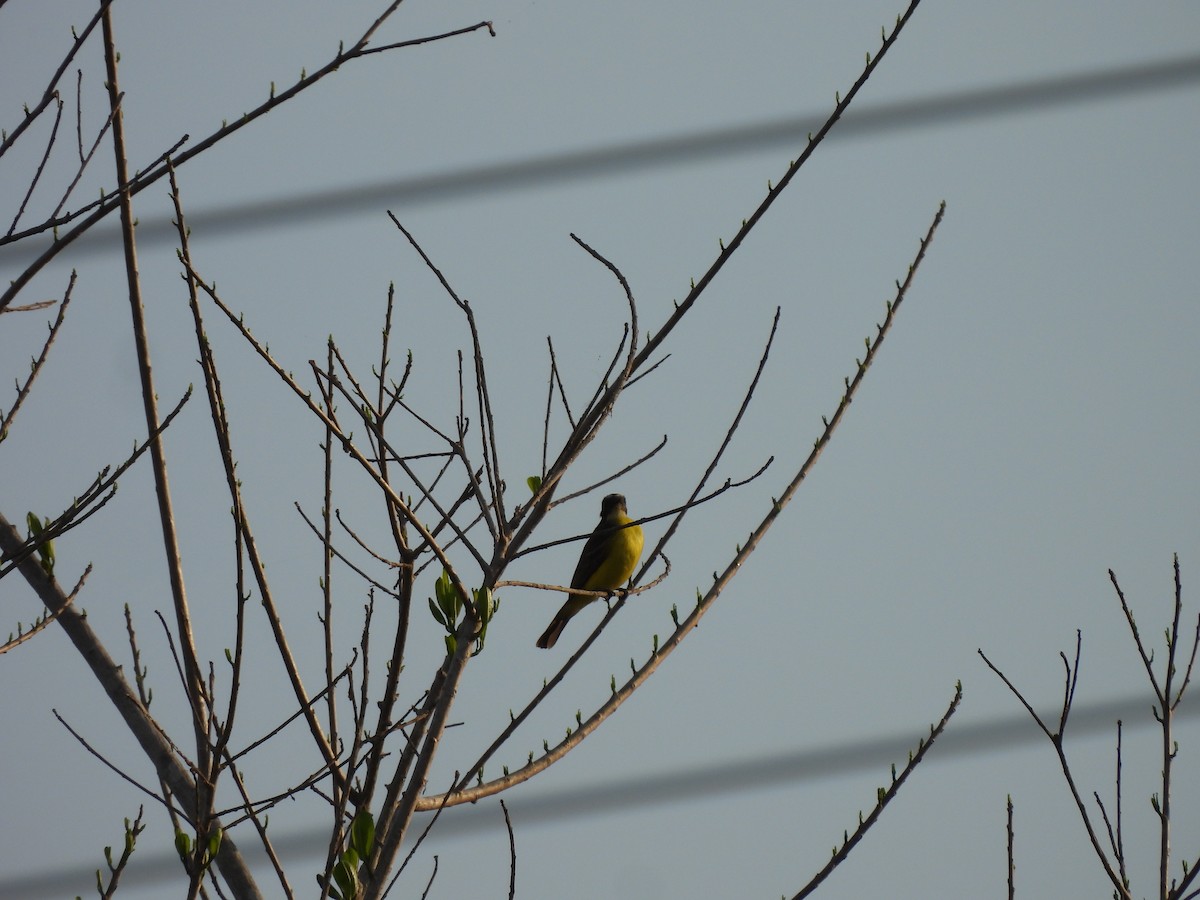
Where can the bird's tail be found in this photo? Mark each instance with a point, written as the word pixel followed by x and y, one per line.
pixel 550 635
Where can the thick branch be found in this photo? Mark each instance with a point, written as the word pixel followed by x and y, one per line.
pixel 112 679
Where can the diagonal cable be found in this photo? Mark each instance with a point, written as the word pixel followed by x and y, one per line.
pixel 766 771
pixel 633 156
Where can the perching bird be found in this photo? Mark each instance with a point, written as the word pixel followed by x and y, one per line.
pixel 607 562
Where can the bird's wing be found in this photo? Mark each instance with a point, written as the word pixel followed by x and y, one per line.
pixel 595 551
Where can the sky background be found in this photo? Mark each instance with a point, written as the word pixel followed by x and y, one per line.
pixel 1029 424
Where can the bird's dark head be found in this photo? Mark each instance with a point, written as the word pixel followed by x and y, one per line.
pixel 611 504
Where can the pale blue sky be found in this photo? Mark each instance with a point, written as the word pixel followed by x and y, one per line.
pixel 1030 422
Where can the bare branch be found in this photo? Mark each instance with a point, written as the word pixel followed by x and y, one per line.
pixel 51 92
pixel 84 160
pixel 334 552
pixel 91 501
pixel 170 537
pixel 132 832
pixel 37 175
pixel 44 621
pixel 1072 679
pixel 608 479
pixel 1147 658
pixel 512 852
pixel 154 173
pixel 35 367
pixel 1016 693
pixel 698 287
pixel 348 445
pixel 1012 866
pixel 885 796
pixel 1122 890
pixel 123 775
pixel 487 429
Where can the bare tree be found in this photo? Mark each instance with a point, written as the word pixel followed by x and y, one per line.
pixel 1106 834
pixel 374 725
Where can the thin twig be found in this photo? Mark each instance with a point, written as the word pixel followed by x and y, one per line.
pixel 42 623
pixel 51 92
pixel 512 852
pixel 131 835
pixel 88 503
pixel 616 592
pixel 1147 659
pixel 885 796
pixel 150 175
pixel 609 479
pixel 37 175
pixel 261 828
pixel 84 160
pixel 432 875
pixel 1012 865
pixel 1120 848
pixel 487 429
pixel 35 367
pixel 347 444
pixel 773 194
pixel 339 555
pixel 1056 741
pixel 125 776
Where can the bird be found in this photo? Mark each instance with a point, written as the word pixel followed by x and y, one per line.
pixel 607 562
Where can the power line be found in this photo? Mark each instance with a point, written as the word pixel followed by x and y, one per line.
pixel 698 783
pixel 633 156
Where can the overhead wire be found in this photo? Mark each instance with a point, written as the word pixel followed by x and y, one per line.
pixel 700 783
pixel 626 157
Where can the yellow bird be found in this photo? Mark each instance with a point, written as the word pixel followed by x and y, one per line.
pixel 606 563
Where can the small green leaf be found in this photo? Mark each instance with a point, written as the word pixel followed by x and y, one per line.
pixel 46 550
pixel 345 873
pixel 448 598
pixel 535 483
pixel 437 614
pixel 214 843
pixel 362 833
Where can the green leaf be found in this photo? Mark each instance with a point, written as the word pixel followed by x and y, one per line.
pixel 214 843
pixel 346 878
pixel 362 833
pixel 183 845
pixel 487 605
pixel 437 614
pixel 46 550
pixel 448 598
pixel 535 483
